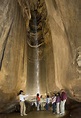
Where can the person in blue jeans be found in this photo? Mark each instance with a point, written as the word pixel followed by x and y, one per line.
pixel 54 103
pixel 47 102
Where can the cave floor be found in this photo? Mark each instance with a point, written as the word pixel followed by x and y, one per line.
pixel 34 114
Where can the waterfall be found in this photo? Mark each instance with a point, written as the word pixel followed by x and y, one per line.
pixel 37 56
pixel 36 68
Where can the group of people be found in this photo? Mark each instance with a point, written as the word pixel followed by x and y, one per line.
pixel 58 101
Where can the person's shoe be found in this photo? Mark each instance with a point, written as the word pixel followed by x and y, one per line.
pixel 21 114
pixel 25 114
pixel 53 112
pixel 37 109
pixel 61 113
pixel 58 113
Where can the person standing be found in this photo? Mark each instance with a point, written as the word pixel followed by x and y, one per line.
pixel 41 103
pixel 47 102
pixel 58 103
pixel 63 101
pixel 54 103
pixel 22 97
pixel 38 101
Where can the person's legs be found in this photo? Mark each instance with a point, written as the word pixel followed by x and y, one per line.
pixel 53 107
pixel 21 108
pixel 62 106
pixel 63 109
pixel 42 107
pixel 57 108
pixel 24 109
pixel 47 106
pixel 38 107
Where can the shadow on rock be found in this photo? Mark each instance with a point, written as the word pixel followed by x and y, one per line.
pixel 3 116
pixel 74 109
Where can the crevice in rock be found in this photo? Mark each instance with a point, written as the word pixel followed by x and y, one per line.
pixel 4 47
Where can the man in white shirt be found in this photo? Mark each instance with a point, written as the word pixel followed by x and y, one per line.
pixel 22 103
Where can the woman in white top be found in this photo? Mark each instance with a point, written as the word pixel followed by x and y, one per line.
pixel 22 103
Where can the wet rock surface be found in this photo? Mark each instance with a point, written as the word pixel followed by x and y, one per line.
pixel 76 113
pixel 73 107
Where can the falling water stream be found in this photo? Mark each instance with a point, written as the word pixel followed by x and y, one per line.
pixel 33 79
pixel 37 58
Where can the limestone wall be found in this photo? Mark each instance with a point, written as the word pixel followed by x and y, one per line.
pixel 13 52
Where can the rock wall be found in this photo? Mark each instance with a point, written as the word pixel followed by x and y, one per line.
pixel 64 21
pixel 13 52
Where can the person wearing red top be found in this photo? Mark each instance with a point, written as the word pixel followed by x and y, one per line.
pixel 38 101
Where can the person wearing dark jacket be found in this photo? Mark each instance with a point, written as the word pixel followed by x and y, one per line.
pixel 63 101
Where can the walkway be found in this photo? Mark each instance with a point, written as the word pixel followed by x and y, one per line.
pixel 35 114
